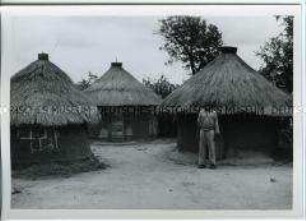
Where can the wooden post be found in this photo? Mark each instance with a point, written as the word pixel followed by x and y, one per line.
pixel 39 143
pixel 31 141
pixel 55 138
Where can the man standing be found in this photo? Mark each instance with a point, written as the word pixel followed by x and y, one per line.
pixel 209 127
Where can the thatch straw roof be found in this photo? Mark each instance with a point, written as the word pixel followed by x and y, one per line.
pixel 117 87
pixel 43 94
pixel 228 82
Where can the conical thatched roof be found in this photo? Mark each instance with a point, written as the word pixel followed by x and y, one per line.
pixel 228 82
pixel 42 93
pixel 117 87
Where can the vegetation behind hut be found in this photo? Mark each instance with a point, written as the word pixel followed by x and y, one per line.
pixel 277 55
pixel 191 40
pixel 162 87
pixel 88 80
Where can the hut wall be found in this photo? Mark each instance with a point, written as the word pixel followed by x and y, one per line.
pixel 167 126
pixel 72 143
pixel 236 135
pixel 255 135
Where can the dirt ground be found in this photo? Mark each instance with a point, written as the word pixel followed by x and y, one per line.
pixel 154 175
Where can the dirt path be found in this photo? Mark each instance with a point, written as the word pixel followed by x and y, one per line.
pixel 144 176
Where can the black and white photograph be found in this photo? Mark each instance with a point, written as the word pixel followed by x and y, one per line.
pixel 164 111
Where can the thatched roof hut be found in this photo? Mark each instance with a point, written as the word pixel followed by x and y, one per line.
pixel 247 103
pixel 48 115
pixel 41 93
pixel 117 87
pixel 229 82
pixel 116 91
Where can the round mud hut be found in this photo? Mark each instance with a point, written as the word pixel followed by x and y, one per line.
pixel 250 109
pixel 126 105
pixel 49 117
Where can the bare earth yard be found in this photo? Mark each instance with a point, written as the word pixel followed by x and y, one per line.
pixel 154 175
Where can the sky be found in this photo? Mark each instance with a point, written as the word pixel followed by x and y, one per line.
pixel 78 44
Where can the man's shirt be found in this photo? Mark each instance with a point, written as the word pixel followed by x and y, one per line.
pixel 208 120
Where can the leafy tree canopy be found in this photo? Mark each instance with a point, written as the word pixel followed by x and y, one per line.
pixel 190 40
pixel 277 55
pixel 88 80
pixel 162 86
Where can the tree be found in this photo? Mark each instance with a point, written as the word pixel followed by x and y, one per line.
pixel 161 87
pixel 89 79
pixel 191 40
pixel 277 55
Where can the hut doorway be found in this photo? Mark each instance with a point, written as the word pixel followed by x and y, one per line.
pixel 126 123
pixel 117 129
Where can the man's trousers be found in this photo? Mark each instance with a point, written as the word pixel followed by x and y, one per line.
pixel 207 143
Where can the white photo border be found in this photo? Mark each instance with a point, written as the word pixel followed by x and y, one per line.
pixel 8 12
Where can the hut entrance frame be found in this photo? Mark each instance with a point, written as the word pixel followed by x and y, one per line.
pixel 126 123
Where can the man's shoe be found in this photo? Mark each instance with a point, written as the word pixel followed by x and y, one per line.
pixel 202 166
pixel 213 166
